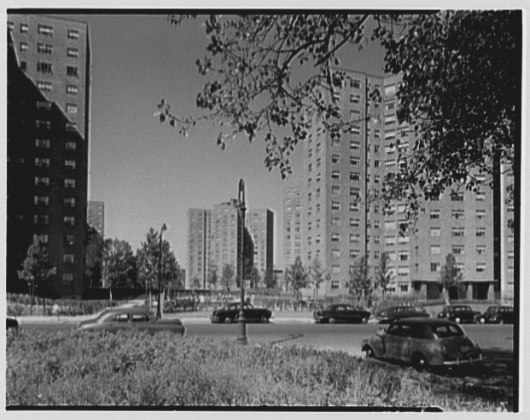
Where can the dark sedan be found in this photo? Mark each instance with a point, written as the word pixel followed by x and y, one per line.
pixel 497 314
pixel 11 323
pixel 230 313
pixel 341 313
pixel 393 313
pixel 131 318
pixel 458 313
pixel 424 342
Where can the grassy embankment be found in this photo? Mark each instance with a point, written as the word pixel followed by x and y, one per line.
pixel 98 369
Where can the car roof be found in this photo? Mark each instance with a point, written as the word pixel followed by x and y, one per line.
pixel 430 321
pixel 133 310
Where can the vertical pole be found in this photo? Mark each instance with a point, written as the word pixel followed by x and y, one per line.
pixel 159 304
pixel 242 338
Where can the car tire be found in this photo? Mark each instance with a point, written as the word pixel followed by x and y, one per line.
pixel 264 319
pixel 364 320
pixel 481 320
pixel 369 353
pixel 419 362
pixel 226 320
pixel 457 320
pixel 332 320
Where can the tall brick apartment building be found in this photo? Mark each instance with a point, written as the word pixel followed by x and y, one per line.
pixel 342 221
pixel 47 147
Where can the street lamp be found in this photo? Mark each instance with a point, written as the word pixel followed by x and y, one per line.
pixel 158 311
pixel 242 338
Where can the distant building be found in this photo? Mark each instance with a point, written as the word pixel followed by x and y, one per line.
pixel 292 224
pixel 96 216
pixel 49 65
pixel 260 224
pixel 198 249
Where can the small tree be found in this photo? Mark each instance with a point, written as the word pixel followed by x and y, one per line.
pixel 255 277
pixel 297 276
pixel 227 276
pixel 360 284
pixel 119 264
pixel 384 274
pixel 317 275
pixel 212 276
pixel 271 279
pixel 450 276
pixel 36 269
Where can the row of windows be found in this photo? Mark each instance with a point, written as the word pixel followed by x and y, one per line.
pixel 48 49
pixel 458 249
pixel 47 125
pixel 458 231
pixel 480 267
pixel 42 29
pixel 44 200
pixel 44 219
pixel 46 86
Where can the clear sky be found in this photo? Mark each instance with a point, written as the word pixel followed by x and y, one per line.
pixel 143 170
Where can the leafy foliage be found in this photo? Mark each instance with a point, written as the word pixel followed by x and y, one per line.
pixel 227 276
pixel 317 275
pixel 297 276
pixel 94 257
pixel 119 264
pixel 275 76
pixel 36 268
pixel 360 283
pixel 450 274
pixel 383 275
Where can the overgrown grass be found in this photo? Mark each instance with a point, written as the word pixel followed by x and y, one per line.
pixel 132 369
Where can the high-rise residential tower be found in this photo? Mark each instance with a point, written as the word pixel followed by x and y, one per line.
pixel 47 147
pixel 198 249
pixel 96 216
pixel 292 224
pixel 260 224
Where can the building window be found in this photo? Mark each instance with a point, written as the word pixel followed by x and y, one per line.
pixel 403 255
pixel 335 253
pixel 403 271
pixel 354 206
pixel 45 30
pixel 457 196
pixel 355 237
pixel 335 221
pixel 24 28
pixel 70 164
pixel 435 231
pixel 335 190
pixel 70 145
pixel 44 105
pixel 335 174
pixel 42 143
pixel 43 238
pixel 481 267
pixel 73 34
pixel 354 160
pixel 354 191
pixel 41 200
pixel 335 158
pixel 42 180
pixel 355 130
pixel 457 231
pixel 355 83
pixel 481 249
pixel 458 249
pixel 72 71
pixel 68 258
pixel 69 220
pixel 390 240
pixel 43 124
pixel 72 52
pixel 355 145
pixel 42 162
pixel 354 253
pixel 45 48
pixel 390 149
pixel 69 202
pixel 23 46
pixel 435 249
pixel 354 98
pixel 335 142
pixel 435 267
pixel 72 89
pixel 67 278
pixel 390 119
pixel 355 222
pixel 69 239
pixel 44 86
pixel 23 66
pixel 41 219
pixel 480 196
pixel 335 284
pixel 480 214
pixel 481 232
pixel 71 126
pixel 390 225
pixel 71 108
pixel 335 269
pixel 335 205
pixel 457 214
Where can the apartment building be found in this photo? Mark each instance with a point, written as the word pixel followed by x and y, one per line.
pixel 96 216
pixel 198 251
pixel 342 218
pixel 292 222
pixel 260 224
pixel 47 147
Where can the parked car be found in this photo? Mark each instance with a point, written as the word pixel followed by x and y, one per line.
pixel 230 313
pixel 131 318
pixel 392 313
pixel 341 313
pixel 423 342
pixel 458 313
pixel 497 314
pixel 11 323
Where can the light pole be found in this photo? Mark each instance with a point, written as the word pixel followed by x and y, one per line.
pixel 242 338
pixel 158 311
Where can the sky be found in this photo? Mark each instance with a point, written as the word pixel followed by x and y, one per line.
pixel 144 171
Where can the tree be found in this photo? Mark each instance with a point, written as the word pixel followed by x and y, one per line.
pixel 118 264
pixel 255 277
pixel 37 269
pixel 297 276
pixel 270 74
pixel 450 275
pixel 317 275
pixel 384 274
pixel 212 276
pixel 360 283
pixel 227 277
pixel 270 279
pixel 94 257
pixel 148 262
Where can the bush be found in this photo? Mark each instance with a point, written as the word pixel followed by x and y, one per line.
pixel 131 368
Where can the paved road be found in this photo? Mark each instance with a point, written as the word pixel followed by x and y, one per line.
pixel 301 331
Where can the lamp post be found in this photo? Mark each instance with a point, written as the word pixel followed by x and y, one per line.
pixel 158 311
pixel 242 338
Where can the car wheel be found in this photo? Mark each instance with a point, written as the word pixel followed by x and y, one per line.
pixel 419 362
pixel 368 353
pixel 332 320
pixel 364 320
pixel 481 320
pixel 457 320
pixel 264 319
pixel 227 320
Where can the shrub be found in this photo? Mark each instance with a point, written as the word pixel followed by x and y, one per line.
pixel 132 368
